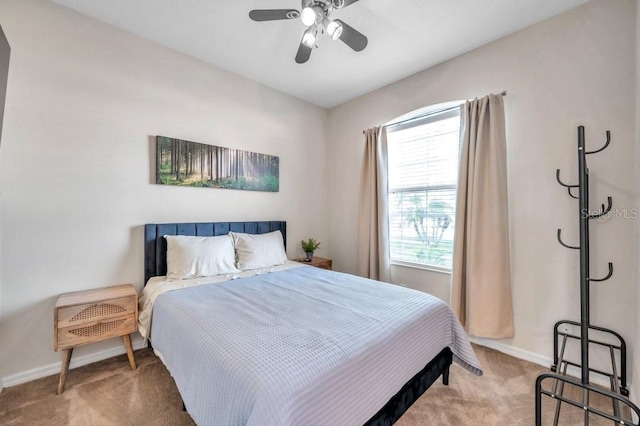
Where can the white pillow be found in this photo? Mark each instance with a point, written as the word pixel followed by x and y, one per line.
pixel 192 257
pixel 259 250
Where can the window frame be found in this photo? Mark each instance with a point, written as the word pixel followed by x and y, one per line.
pixel 423 117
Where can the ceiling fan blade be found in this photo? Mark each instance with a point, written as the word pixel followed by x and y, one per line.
pixel 341 4
pixel 352 37
pixel 304 53
pixel 260 15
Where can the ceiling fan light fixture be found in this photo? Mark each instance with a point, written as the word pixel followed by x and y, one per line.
pixel 333 28
pixel 309 38
pixel 308 16
pixel 314 15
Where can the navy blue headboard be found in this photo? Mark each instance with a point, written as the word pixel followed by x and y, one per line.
pixel 155 246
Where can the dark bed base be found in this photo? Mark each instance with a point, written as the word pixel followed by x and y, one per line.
pixel 413 389
pixel 155 263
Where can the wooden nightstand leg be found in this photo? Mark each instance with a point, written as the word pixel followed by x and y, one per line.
pixel 66 359
pixel 127 344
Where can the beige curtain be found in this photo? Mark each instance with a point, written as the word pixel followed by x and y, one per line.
pixel 373 218
pixel 481 283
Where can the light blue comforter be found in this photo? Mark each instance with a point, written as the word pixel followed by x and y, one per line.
pixel 303 346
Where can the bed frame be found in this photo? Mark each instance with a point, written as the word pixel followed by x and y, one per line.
pixel 155 264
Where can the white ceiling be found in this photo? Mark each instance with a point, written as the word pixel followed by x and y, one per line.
pixel 405 36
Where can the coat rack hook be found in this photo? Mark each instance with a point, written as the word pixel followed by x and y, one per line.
pixel 605 145
pixel 562 242
pixel 571 195
pixel 562 183
pixel 608 275
pixel 604 211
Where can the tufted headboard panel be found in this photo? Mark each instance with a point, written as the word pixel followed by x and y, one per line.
pixel 155 246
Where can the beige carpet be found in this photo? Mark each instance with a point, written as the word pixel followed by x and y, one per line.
pixel 109 393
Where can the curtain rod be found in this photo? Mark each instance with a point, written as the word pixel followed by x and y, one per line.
pixel 503 93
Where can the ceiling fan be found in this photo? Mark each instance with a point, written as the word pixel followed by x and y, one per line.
pixel 315 15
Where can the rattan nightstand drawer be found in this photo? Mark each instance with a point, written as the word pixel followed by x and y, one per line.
pixel 91 312
pixel 92 331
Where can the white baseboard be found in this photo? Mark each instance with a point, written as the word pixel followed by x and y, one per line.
pixel 535 358
pixel 51 369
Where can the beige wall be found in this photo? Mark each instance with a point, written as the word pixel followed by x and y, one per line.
pixel 84 103
pixel 5 51
pixel 635 369
pixel 572 69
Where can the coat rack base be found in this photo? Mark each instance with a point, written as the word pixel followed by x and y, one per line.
pixel 622 407
pixel 615 345
pixel 612 342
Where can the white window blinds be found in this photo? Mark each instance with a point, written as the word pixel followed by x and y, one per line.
pixel 423 174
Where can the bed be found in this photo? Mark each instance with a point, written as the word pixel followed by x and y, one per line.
pixel 292 344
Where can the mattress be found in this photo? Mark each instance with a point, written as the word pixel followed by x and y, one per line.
pixel 298 346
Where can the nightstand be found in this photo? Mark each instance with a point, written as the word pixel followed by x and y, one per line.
pixel 318 262
pixel 90 316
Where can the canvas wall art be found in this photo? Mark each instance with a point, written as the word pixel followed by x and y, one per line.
pixel 185 163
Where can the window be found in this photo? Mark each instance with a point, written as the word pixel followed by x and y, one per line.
pixel 423 175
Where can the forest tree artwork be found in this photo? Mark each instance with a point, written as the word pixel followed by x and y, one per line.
pixel 185 163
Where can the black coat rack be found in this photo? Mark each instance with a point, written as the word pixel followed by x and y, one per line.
pixel 621 406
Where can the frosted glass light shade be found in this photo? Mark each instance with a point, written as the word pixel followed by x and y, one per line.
pixel 309 38
pixel 333 28
pixel 308 16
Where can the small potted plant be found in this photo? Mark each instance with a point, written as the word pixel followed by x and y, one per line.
pixel 309 246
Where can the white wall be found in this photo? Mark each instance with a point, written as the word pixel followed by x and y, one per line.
pixel 84 103
pixel 576 68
